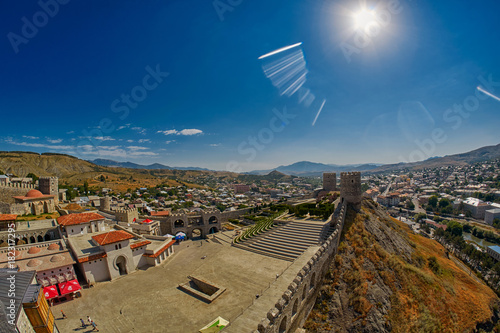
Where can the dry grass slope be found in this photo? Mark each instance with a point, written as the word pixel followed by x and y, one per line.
pixel 385 278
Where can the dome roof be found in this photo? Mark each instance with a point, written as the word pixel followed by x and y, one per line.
pixel 53 246
pixel 17 253
pixel 34 250
pixel 57 258
pixel 34 263
pixel 34 194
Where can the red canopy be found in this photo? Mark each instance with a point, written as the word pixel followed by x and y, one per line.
pixel 50 292
pixel 69 287
pixel 147 221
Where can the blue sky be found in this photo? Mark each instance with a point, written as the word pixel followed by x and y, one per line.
pixel 406 92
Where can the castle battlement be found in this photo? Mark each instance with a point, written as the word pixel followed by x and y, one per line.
pixel 18 185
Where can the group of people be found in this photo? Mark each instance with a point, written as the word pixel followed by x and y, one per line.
pixel 91 322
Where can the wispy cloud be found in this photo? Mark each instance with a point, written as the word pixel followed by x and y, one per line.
pixel 39 145
pixel 186 132
pixel 98 138
pixel 139 130
pixel 70 132
pixel 214 144
pixel 54 140
pixel 144 140
pixel 31 137
pixel 169 142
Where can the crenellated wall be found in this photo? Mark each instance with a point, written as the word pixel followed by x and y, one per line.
pixel 7 191
pixel 297 300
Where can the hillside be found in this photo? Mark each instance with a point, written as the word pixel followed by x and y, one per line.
pixel 130 165
pixel 22 163
pixel 313 169
pixel 478 155
pixel 74 171
pixel 387 279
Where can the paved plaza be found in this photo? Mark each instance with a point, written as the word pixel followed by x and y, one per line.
pixel 149 300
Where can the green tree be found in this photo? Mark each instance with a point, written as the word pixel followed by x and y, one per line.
pixel 455 228
pixel 433 201
pixel 86 187
pixel 32 176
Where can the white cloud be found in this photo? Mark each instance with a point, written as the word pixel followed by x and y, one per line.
pixel 144 140
pixel 31 137
pixel 169 142
pixel 188 131
pixel 54 140
pixel 137 148
pixel 130 141
pixel 214 144
pixel 39 145
pixel 70 132
pixel 139 130
pixel 98 138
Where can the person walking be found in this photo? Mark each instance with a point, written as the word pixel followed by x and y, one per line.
pixel 64 315
pixel 89 320
pixel 83 323
pixel 94 325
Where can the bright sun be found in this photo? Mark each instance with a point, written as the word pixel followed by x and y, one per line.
pixel 363 18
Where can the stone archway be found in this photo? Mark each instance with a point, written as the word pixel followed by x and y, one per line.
pixel 213 230
pixel 282 328
pixel 197 234
pixel 213 220
pixel 40 238
pixel 32 239
pixel 121 263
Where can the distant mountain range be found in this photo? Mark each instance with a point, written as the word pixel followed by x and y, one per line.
pixel 130 165
pixel 306 168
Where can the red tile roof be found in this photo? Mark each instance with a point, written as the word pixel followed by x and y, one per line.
pixel 112 237
pixel 8 217
pixel 72 219
pixel 161 250
pixel 92 257
pixel 139 244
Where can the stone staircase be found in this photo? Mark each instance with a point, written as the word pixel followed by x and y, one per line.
pixel 288 241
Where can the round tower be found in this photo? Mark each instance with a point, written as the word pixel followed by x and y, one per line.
pixel 350 188
pixel 105 203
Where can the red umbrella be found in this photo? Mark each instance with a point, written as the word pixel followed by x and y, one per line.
pixel 147 221
pixel 50 292
pixel 69 287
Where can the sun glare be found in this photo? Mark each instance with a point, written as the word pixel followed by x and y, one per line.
pixel 363 18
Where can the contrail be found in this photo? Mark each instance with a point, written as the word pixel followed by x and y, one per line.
pixel 487 93
pixel 320 108
pixel 279 50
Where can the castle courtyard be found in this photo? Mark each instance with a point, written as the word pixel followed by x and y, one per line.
pixel 150 300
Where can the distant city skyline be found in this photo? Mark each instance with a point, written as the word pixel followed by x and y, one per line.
pixel 185 83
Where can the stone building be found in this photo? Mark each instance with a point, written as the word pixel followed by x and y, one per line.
pixel 49 186
pixel 127 215
pixel 35 203
pixel 204 222
pixel 28 232
pixel 329 181
pixel 350 188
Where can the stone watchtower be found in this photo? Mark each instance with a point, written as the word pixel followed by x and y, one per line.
pixel 350 188
pixel 49 186
pixel 105 203
pixel 329 181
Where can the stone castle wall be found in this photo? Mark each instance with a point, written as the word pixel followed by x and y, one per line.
pixel 127 215
pixel 7 191
pixel 296 302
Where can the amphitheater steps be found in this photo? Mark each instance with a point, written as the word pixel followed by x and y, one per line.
pixel 286 242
